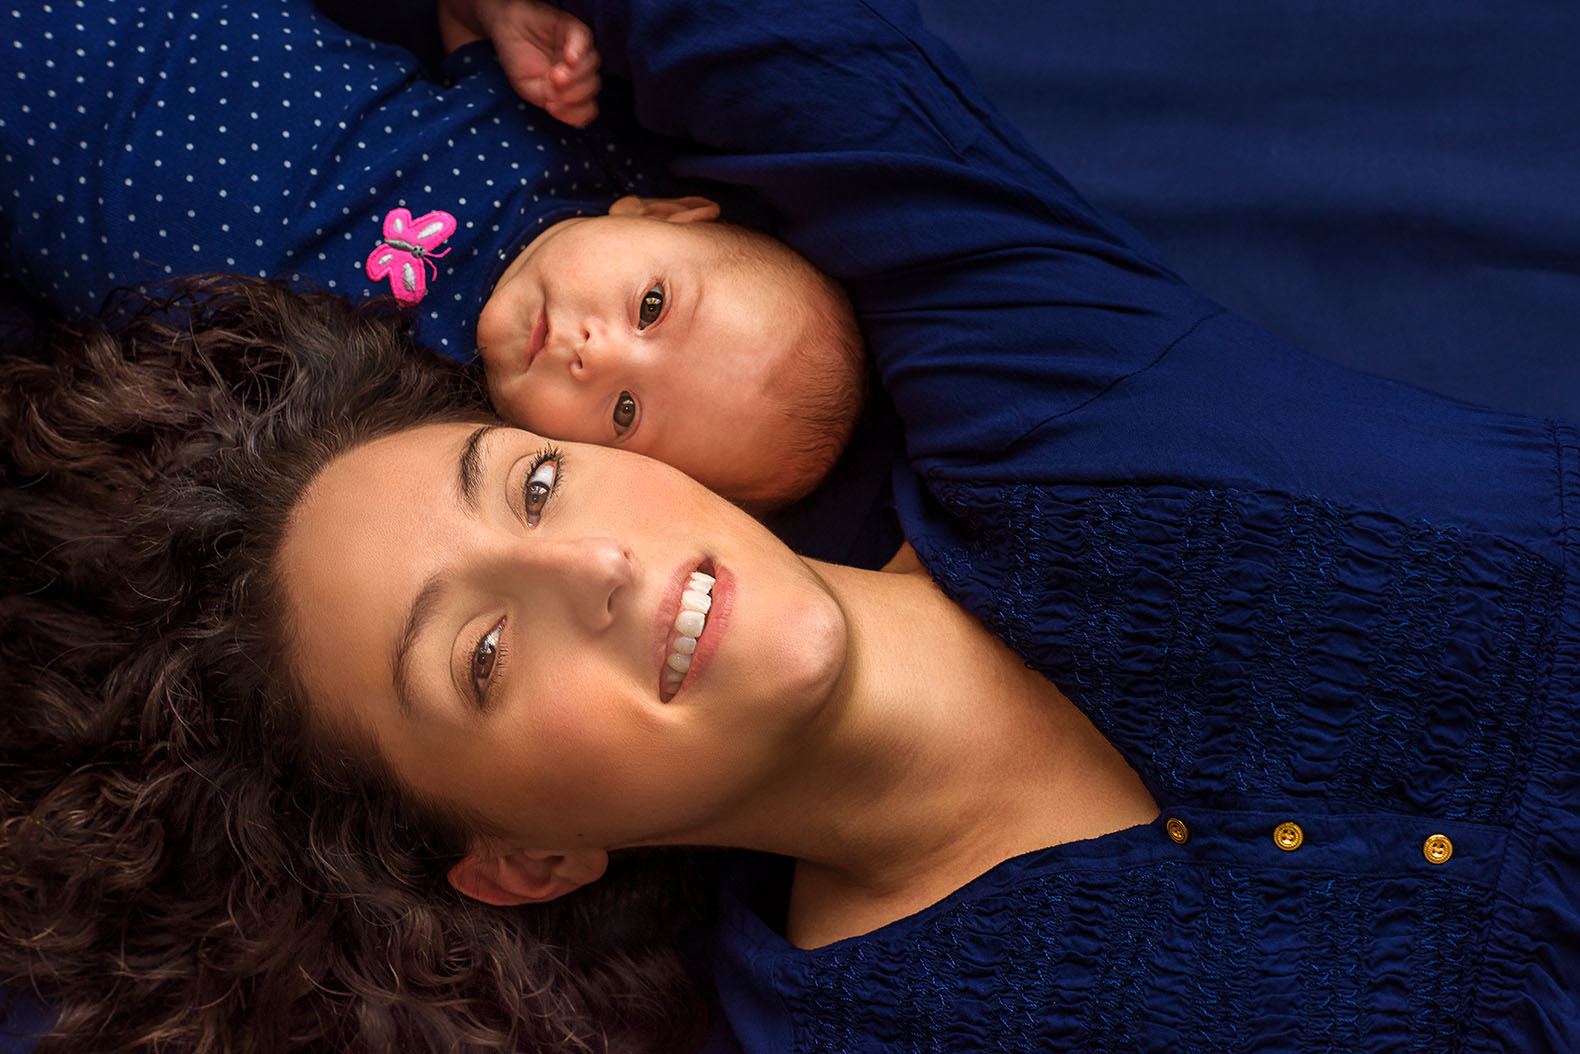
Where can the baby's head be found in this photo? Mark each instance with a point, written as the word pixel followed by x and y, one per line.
pixel 657 329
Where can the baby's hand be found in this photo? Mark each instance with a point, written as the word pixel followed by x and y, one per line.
pixel 547 54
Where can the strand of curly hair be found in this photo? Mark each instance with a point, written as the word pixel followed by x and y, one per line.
pixel 183 864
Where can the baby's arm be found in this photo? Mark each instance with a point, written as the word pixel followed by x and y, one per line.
pixel 547 54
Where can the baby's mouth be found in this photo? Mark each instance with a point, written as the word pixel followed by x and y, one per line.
pixel 695 603
pixel 536 339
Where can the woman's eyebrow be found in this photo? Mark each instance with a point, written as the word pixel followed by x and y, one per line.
pixel 422 609
pixel 468 481
pixel 469 469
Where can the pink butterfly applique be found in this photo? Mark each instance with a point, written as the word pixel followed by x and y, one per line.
pixel 407 246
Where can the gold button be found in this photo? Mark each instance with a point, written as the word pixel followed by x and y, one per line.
pixel 1177 830
pixel 1437 849
pixel 1288 836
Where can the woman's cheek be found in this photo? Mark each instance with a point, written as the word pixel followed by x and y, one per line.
pixel 573 736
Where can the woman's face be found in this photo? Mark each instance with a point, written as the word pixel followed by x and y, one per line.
pixel 497 616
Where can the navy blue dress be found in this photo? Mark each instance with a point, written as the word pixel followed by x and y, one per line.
pixel 1332 620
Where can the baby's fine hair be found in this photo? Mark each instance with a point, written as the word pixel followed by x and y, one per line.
pixel 185 863
pixel 821 396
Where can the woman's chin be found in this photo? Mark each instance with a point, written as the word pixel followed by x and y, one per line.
pixel 812 663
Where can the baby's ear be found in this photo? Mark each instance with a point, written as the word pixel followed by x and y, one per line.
pixel 674 210
pixel 521 877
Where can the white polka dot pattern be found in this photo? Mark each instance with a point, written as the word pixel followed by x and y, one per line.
pixel 142 140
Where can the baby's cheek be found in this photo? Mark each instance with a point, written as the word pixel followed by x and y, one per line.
pixel 512 405
pixel 491 335
pixel 503 386
pixel 554 410
pixel 519 400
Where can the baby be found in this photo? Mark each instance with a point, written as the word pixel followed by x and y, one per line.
pixel 184 135
pixel 600 332
pixel 658 329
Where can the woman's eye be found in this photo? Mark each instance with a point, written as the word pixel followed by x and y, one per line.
pixel 624 413
pixel 540 484
pixel 484 657
pixel 651 307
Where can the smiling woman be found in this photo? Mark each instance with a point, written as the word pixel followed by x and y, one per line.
pixel 299 642
pixel 506 633
pixel 179 838
pixel 529 595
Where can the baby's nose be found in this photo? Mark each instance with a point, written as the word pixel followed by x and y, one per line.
pixel 599 348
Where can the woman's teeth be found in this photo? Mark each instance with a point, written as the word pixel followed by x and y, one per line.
pixel 695 603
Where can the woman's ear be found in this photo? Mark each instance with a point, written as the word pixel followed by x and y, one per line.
pixel 674 210
pixel 520 877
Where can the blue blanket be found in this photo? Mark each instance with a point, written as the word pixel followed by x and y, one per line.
pixel 1390 185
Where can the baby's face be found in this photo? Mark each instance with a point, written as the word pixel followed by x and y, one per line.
pixel 662 337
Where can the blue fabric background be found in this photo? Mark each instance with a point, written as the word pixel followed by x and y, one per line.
pixel 1390 185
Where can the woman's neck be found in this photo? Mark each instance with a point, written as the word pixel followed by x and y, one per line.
pixel 946 756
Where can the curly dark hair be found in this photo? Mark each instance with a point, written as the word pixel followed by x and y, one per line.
pixel 184 863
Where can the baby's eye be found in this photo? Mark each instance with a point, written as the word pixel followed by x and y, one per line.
pixel 652 306
pixel 484 658
pixel 540 484
pixel 624 413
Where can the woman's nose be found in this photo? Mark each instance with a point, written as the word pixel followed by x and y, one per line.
pixel 591 575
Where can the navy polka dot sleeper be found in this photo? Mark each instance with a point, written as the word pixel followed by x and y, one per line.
pixel 143 139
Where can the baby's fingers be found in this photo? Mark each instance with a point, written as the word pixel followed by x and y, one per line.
pixel 574 82
pixel 538 91
pixel 567 81
pixel 575 103
pixel 577 115
pixel 578 52
pixel 550 59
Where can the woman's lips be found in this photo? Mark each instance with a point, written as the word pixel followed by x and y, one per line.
pixel 684 637
pixel 540 333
